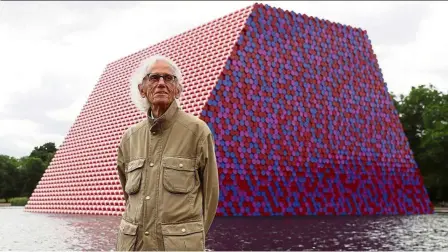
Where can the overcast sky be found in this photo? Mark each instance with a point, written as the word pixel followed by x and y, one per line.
pixel 53 53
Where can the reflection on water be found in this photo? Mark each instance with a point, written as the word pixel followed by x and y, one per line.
pixel 21 230
pixel 424 232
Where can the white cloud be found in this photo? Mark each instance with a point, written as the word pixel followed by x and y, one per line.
pixel 19 137
pixel 70 43
pixel 17 127
pixel 21 62
pixel 421 61
pixel 68 114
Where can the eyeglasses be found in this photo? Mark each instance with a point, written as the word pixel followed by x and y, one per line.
pixel 154 78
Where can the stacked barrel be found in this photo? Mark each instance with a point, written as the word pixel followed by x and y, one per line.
pixel 301 115
pixel 304 124
pixel 82 177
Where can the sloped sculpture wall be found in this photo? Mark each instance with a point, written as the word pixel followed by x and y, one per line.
pixel 302 119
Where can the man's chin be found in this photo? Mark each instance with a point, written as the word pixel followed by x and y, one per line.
pixel 161 102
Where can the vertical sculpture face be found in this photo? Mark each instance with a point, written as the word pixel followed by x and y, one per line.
pixel 159 86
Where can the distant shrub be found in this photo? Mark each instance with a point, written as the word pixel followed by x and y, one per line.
pixel 19 201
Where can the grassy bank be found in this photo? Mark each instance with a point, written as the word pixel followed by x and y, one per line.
pixel 21 201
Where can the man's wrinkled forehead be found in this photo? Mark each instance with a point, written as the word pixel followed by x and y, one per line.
pixel 160 66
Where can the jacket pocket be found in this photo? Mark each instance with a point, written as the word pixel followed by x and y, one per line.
pixel 179 174
pixel 134 176
pixel 183 236
pixel 127 236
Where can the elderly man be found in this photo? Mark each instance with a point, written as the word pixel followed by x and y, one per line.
pixel 167 167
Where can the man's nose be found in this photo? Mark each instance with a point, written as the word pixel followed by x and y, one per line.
pixel 161 80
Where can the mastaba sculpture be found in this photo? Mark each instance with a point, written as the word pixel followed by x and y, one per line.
pixel 302 119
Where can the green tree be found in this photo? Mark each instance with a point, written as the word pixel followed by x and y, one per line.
pixel 32 169
pixel 44 152
pixel 424 116
pixel 19 177
pixel 9 177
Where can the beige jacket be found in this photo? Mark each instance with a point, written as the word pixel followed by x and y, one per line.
pixel 167 168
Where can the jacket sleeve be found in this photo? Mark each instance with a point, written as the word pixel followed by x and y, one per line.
pixel 210 181
pixel 121 170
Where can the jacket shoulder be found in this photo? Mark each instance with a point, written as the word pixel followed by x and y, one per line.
pixel 133 129
pixel 193 123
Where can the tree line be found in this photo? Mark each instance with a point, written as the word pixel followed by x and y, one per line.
pixel 423 113
pixel 424 116
pixel 19 177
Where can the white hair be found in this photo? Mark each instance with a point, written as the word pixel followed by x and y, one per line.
pixel 137 77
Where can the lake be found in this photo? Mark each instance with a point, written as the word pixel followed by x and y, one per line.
pixel 35 231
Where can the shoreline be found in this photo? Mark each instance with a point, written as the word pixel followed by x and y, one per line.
pixel 440 209
pixel 436 209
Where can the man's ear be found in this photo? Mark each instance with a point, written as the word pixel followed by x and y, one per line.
pixel 176 93
pixel 141 90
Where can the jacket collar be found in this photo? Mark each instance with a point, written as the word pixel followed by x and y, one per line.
pixel 164 121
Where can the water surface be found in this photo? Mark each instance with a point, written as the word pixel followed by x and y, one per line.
pixel 32 231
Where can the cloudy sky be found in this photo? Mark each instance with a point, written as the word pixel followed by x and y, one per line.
pixel 53 53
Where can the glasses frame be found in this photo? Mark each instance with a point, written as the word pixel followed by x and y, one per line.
pixel 163 76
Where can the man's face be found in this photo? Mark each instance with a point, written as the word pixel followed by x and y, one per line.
pixel 160 91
